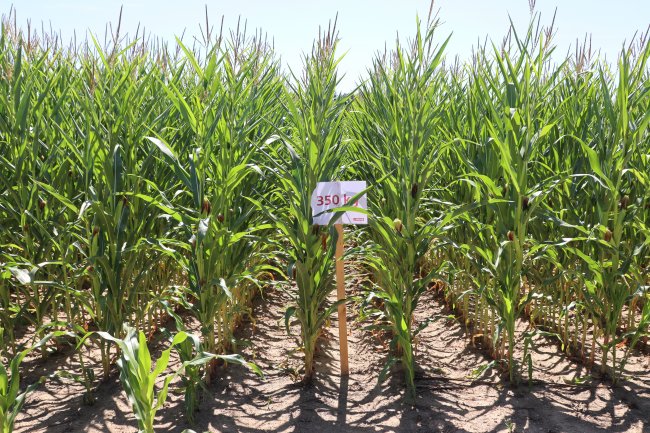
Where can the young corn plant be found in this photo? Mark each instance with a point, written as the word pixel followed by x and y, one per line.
pixel 192 378
pixel 310 152
pixel 139 378
pixel 193 358
pixel 12 398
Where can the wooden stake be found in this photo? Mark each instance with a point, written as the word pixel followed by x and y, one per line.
pixel 340 294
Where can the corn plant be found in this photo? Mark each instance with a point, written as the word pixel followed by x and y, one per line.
pixel 310 152
pixel 613 257
pixel 11 397
pixel 227 118
pixel 11 402
pixel 191 380
pixel 8 314
pixel 24 157
pixel 397 132
pixel 139 379
pixel 522 183
pixel 518 142
pixel 508 140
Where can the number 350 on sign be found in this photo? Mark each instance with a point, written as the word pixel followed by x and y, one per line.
pixel 330 195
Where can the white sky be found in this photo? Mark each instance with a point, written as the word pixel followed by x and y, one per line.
pixel 364 26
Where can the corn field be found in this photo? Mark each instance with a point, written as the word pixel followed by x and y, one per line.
pixel 142 183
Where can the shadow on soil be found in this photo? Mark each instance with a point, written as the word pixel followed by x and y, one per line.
pixel 240 401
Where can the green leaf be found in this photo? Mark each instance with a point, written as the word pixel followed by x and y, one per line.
pixel 291 311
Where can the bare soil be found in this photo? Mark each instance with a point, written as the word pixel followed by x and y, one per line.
pixel 447 401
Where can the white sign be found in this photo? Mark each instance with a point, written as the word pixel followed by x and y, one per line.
pixel 331 195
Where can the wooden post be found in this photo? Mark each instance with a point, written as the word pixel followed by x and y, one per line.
pixel 340 294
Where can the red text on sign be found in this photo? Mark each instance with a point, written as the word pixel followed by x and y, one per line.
pixel 335 200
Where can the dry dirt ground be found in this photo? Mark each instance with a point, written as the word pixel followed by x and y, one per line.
pixel 239 401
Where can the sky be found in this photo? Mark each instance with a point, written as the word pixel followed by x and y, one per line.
pixel 365 27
